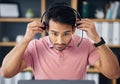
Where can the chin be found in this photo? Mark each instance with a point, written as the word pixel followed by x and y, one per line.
pixel 59 49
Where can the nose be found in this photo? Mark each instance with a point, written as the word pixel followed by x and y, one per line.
pixel 60 40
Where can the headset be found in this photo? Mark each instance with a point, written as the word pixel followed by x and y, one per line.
pixel 63 5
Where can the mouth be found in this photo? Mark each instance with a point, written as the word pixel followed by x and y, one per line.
pixel 60 46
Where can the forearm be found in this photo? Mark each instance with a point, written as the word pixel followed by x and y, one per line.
pixel 109 64
pixel 12 61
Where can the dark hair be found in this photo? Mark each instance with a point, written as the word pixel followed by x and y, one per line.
pixel 61 12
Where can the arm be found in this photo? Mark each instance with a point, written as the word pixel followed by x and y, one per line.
pixel 13 61
pixel 108 63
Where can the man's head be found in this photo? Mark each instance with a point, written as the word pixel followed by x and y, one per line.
pixel 60 20
pixel 62 13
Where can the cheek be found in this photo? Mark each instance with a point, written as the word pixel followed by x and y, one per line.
pixel 52 39
pixel 67 39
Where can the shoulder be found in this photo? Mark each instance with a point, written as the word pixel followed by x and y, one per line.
pixel 41 41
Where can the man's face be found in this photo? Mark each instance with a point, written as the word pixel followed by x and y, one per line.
pixel 60 34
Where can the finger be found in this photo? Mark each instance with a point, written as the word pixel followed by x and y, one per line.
pixel 83 26
pixel 83 29
pixel 86 19
pixel 85 22
pixel 36 29
pixel 35 24
pixel 40 27
pixel 78 19
pixel 78 22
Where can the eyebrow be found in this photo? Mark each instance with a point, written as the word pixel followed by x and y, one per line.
pixel 58 32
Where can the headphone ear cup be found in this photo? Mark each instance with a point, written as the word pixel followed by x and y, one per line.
pixel 44 28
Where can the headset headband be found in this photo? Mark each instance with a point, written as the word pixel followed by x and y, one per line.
pixel 60 5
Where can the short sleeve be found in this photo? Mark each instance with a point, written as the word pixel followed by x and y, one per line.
pixel 27 56
pixel 93 54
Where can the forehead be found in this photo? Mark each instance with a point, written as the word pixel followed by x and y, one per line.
pixel 56 26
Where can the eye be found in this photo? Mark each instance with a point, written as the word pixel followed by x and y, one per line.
pixel 55 34
pixel 66 34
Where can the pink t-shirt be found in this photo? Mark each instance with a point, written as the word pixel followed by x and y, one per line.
pixel 70 64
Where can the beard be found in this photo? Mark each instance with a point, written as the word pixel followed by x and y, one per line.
pixel 60 47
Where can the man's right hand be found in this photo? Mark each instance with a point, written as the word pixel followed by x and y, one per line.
pixel 32 29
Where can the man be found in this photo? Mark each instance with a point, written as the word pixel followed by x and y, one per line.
pixel 57 56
